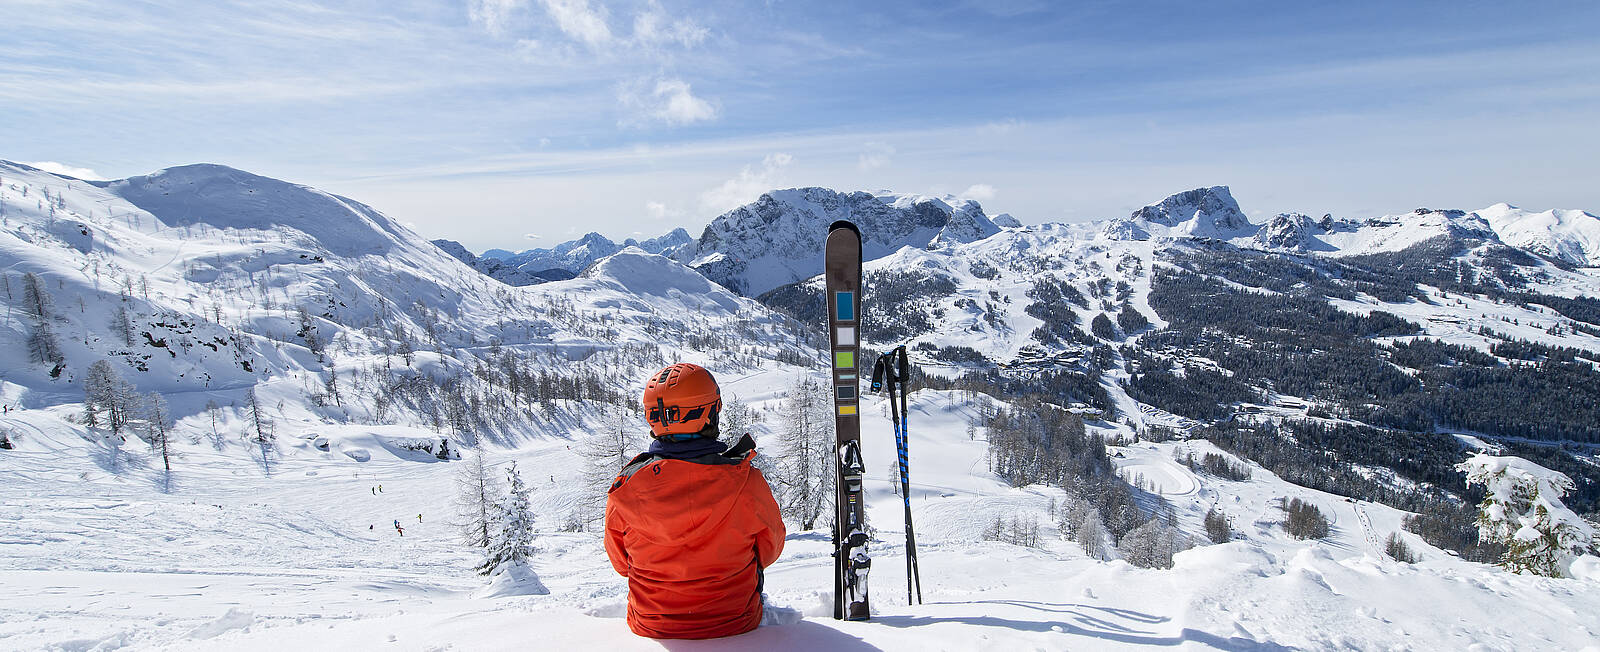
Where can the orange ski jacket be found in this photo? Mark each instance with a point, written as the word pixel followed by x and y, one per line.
pixel 692 536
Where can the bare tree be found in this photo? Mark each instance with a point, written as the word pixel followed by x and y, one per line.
pixel 806 443
pixel 604 455
pixel 476 492
pixel 106 394
pixel 122 324
pixel 158 427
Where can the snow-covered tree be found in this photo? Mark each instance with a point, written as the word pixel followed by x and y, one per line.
pixel 805 475
pixel 1092 534
pixel 511 532
pixel 1153 544
pixel 735 420
pixel 477 490
pixel 1522 510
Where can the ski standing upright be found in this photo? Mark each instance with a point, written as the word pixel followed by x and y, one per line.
pixel 842 277
pixel 889 375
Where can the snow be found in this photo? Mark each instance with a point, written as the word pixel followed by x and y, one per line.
pixel 99 549
pixel 1569 235
pixel 238 558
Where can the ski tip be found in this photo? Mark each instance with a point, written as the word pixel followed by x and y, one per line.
pixel 844 224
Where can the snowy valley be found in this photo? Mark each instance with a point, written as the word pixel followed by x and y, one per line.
pixel 290 378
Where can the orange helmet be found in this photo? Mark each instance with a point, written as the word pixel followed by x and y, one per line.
pixel 681 399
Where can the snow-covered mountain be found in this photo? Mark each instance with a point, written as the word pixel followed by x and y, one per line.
pixel 203 281
pixel 773 241
pixel 1345 363
pixel 1200 213
pixel 1569 235
pixel 562 261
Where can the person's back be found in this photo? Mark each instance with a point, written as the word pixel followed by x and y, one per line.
pixel 691 524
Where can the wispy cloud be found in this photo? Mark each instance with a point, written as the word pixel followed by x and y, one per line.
pixel 747 185
pixel 660 211
pixel 494 16
pixel 978 192
pixel 580 21
pixel 670 102
pixel 875 155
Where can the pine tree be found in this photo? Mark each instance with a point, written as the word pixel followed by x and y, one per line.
pixel 1522 510
pixel 806 473
pixel 511 535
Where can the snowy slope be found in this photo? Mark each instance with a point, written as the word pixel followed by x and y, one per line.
pixel 101 549
pixel 213 267
pixel 231 557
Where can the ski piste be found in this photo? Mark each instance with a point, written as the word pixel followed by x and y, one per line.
pixel 889 375
pixel 842 278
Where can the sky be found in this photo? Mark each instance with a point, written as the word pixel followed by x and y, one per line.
pixel 523 123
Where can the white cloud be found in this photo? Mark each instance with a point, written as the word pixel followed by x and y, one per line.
pixel 532 236
pixel 653 27
pixel 62 168
pixel 876 155
pixel 749 185
pixel 671 101
pixel 493 15
pixel 581 22
pixel 979 192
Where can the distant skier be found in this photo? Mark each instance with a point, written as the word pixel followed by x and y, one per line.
pixel 399 529
pixel 419 518
pixel 690 523
pixel 374 490
pixel 380 488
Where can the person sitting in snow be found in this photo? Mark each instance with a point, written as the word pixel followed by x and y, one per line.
pixel 689 522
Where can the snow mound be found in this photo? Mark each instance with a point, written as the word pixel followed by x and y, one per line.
pixel 234 619
pixel 641 273
pixel 1586 567
pixel 512 579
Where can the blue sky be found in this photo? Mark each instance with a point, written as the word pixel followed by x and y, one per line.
pixel 518 123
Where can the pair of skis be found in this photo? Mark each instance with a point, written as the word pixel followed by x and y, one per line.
pixel 852 564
